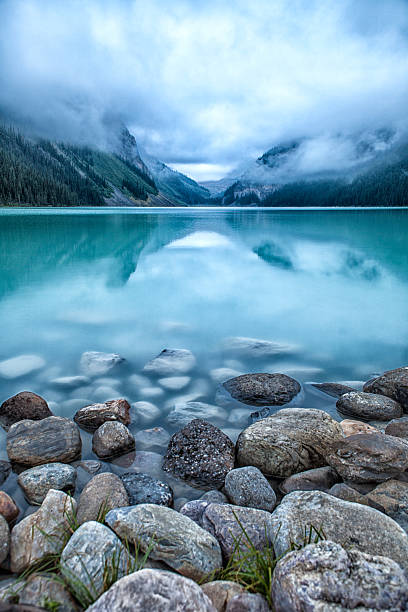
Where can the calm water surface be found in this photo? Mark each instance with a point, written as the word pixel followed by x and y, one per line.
pixel 332 284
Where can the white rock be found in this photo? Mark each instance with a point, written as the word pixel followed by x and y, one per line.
pixel 21 365
pixel 107 381
pixel 253 347
pixel 69 382
pixel 103 394
pixel 136 380
pixel 171 362
pixel 94 363
pixel 174 383
pixel 220 375
pixel 151 392
pixel 145 412
pixel 198 391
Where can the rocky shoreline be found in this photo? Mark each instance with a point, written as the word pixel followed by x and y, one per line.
pixel 300 512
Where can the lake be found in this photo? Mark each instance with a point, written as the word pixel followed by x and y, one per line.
pixel 330 287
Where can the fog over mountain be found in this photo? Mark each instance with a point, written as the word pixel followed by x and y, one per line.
pixel 208 87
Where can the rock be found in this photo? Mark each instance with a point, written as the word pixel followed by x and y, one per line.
pixel 195 509
pixel 143 489
pixel 153 591
pixel 12 607
pixel 347 523
pixel 148 462
pixel 20 366
pixel 178 541
pixel 325 576
pixel 257 415
pixel 391 497
pixel 37 481
pixel 155 439
pixel 94 363
pixel 398 428
pixel 151 392
pixel 9 590
pixel 201 454
pixel 220 592
pixel 290 441
pixel 40 590
pixel 247 486
pixel 90 466
pixel 174 383
pixel 368 406
pixel 183 413
pixel 89 554
pixel 248 602
pixel 373 457
pixel 42 533
pixel 343 491
pixel 333 389
pixel 4 539
pixel 92 417
pixel 8 507
pixel 263 389
pixel 223 521
pixel 146 412
pixel 103 493
pixel 70 382
pixel 54 439
pixel 350 427
pixel 393 384
pixel 24 405
pixel 112 438
pixel 171 362
pixel 214 497
pixel 5 469
pixel 254 348
pixel 319 479
pixel 220 375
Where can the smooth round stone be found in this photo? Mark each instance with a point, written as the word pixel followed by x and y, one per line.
pixel 143 489
pixel 351 427
pixel 92 417
pixel 69 382
pixel 304 580
pixel 200 453
pixel 37 481
pixel 247 486
pixel 174 383
pixel 103 493
pixel 171 362
pixel 393 384
pixel 8 507
pixel 318 479
pixel 53 439
pixel 155 439
pixel 94 363
pixel 333 389
pixel 263 389
pixel 145 412
pixel 24 405
pixel 183 413
pixel 136 380
pixel 111 439
pixel 368 406
pixel 20 366
pixel 153 590
pixel 214 497
pixel 398 428
pixel 104 393
pixel 194 509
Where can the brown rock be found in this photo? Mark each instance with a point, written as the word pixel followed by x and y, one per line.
pixel 319 479
pixel 92 417
pixel 369 406
pixel 343 491
pixel 103 493
pixel 391 497
pixel 53 439
pixel 350 427
pixel 263 389
pixel 398 428
pixel 368 457
pixel 393 384
pixel 8 507
pixel 24 405
pixel 111 439
pixel 219 592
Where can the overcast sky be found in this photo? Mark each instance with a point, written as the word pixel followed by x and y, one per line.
pixel 204 85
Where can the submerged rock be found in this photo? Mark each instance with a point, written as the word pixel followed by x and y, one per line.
pixel 393 384
pixel 201 454
pixel 143 489
pixel 24 405
pixel 183 413
pixel 255 348
pixel 174 383
pixel 53 439
pixel 92 417
pixel 69 382
pixel 247 486
pixel 333 389
pixel 37 481
pixel 263 389
pixel 290 441
pixel 155 439
pixel 145 412
pixel 369 406
pixel 325 576
pixel 171 362
pixel 20 366
pixel 103 493
pixel 94 363
pixel 112 439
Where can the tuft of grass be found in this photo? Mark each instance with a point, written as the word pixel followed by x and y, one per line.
pixel 253 568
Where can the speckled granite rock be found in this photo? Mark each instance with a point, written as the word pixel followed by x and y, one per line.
pixel 143 489
pixel 368 406
pixel 247 486
pixel 37 481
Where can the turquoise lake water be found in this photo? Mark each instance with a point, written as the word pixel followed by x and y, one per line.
pixel 330 285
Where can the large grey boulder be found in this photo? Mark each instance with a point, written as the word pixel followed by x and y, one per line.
pixel 39 590
pixel 153 590
pixel 143 489
pixel 247 486
pixel 318 479
pixel 43 533
pixel 94 363
pixel 235 524
pixel 24 405
pixel 93 416
pixel 372 457
pixel 53 439
pixel 112 439
pixel 103 493
pixel 325 576
pixel 391 497
pixel 393 384
pixel 263 389
pixel 201 454
pixel 37 481
pixel 349 524
pixel 368 406
pixel 176 539
pixel 290 441
pixel 4 539
pixel 171 362
pixel 91 554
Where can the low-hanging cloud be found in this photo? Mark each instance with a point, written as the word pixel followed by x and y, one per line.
pixel 210 82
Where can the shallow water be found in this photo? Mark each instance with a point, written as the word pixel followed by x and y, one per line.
pixel 331 285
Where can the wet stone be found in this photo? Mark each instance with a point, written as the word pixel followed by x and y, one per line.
pixel 143 489
pixel 333 389
pixel 368 406
pixel 24 405
pixel 112 439
pixel 93 416
pixel 171 362
pixel 94 363
pixel 263 389
pixel 37 481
